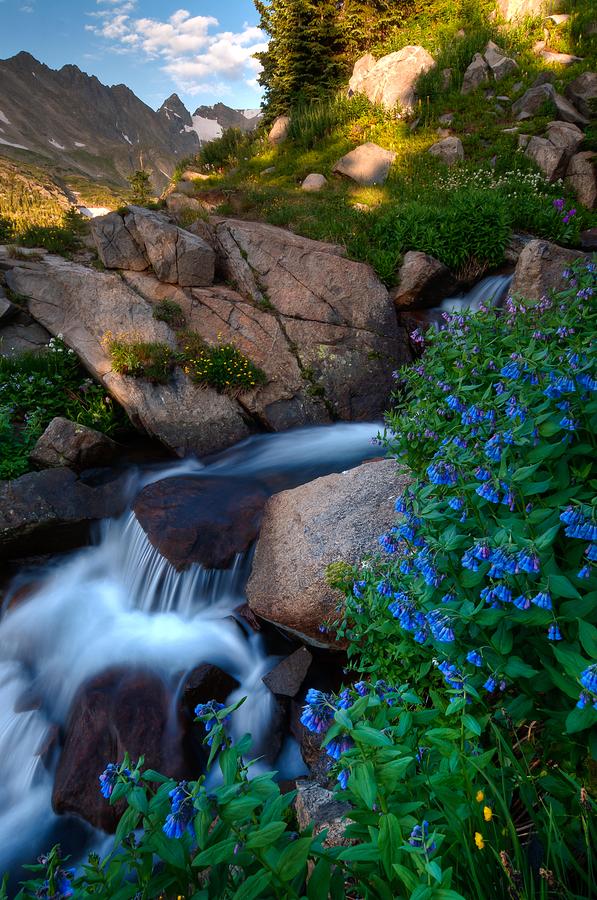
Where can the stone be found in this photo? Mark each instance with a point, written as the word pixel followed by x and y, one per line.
pixel 314 182
pixel 561 59
pixel 279 130
pixel 500 64
pixel 532 100
pixel 581 176
pixel 523 141
pixel 582 93
pixel 337 517
pixel 423 281
pixel 181 206
pixel 308 306
pixel 116 712
pixel 565 136
pixel 21 334
pixel 269 171
pixel 588 239
pixel 193 175
pixel 393 78
pixel 66 443
pixel 50 511
pixel 551 160
pixel 518 9
pixel 319 808
pixel 367 164
pixel 7 309
pixel 559 18
pixel 84 305
pixel 566 112
pixel 206 682
pixel 205 521
pixel 514 248
pixel 361 69
pixel 287 678
pixel 176 256
pixel 446 119
pixel 475 75
pixel 449 150
pixel 539 269
pixel 115 245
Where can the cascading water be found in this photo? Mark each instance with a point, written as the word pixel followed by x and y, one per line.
pixel 491 291
pixel 119 602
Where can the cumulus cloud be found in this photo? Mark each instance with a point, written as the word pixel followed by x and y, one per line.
pixel 191 51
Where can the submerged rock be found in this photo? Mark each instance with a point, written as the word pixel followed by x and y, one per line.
pixel 334 518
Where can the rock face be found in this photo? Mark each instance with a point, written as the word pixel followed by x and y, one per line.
pixel 83 305
pixel 201 520
pixel 517 9
pixel 66 443
pixel 338 517
pixel 567 112
pixel 115 712
pixel 316 806
pixel 449 150
pixel 142 238
pixel 539 269
pixel 44 512
pixel 314 182
pixel 581 176
pixel 287 677
pixel 565 136
pixel 367 164
pixel 423 281
pixel 392 79
pixel 325 319
pixel 279 130
pixel 582 93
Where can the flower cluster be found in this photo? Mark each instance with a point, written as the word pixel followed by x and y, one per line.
pixel 180 819
pixel 208 714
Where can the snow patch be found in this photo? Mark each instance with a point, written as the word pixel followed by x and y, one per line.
pixel 3 118
pixel 56 144
pixel 92 212
pixel 10 144
pixel 251 113
pixel 127 138
pixel 79 144
pixel 205 129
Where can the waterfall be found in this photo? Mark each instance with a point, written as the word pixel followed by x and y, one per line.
pixel 491 291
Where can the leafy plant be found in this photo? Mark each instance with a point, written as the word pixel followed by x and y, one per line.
pixel 170 312
pixel 223 367
pixel 141 359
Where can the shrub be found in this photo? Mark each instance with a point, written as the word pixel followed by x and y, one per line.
pixel 223 367
pixel 170 312
pixel 225 151
pixel 141 359
pixel 312 122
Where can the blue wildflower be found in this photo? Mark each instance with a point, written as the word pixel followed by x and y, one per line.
pixel 585 572
pixel 491 684
pixel 554 633
pixel 493 448
pixel 442 473
pixel 482 474
pixel 591 552
pixel 456 503
pixel 542 600
pixel 528 561
pixel 583 700
pixel 522 602
pixel 569 424
pixel 419 837
pixel 207 712
pixel 358 588
pixel 108 780
pixel 488 492
pixel 511 370
pixel 362 688
pixel 401 505
pixel 454 403
pixel 475 658
pixel 339 745
pixel 588 678
pixel 342 778
pixel 344 699
pixel 182 811
pixel 318 711
pixel 384 588
pixel 440 626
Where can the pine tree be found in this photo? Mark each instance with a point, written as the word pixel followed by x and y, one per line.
pixel 140 187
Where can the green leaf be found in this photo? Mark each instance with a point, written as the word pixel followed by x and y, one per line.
pixel 471 724
pixel 366 852
pixel 434 870
pixel 221 852
pixel 517 668
pixel 266 836
pixel 408 878
pixel 253 887
pixel 560 586
pixel 371 737
pixel 588 638
pixel 319 882
pixel 390 839
pixel 524 473
pixel 239 809
pixel 293 858
pixel 151 775
pixel 573 663
pixel 548 537
pixel 362 783
pixel 138 800
pixel 581 719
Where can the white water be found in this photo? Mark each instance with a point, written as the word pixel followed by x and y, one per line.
pixel 120 603
pixel 490 291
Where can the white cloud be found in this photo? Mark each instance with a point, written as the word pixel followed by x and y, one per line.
pixel 197 57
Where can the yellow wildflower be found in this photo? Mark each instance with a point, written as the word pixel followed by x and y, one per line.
pixel 487 813
pixel 480 797
pixel 479 840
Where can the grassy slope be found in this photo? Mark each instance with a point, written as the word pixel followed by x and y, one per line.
pixel 357 217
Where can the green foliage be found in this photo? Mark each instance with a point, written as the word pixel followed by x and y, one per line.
pixel 339 575
pixel 34 388
pixel 170 312
pixel 223 367
pixel 311 122
pixel 141 359
pixel 225 151
pixel 141 190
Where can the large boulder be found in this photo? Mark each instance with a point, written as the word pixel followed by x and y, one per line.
pixel 85 305
pixel 361 69
pixel 565 136
pixel 500 64
pixel 66 443
pixel 279 130
pixel 551 160
pixel 209 521
pixel 581 176
pixel 143 236
pixel 475 75
pixel 532 100
pixel 582 93
pixel 286 679
pixel 449 150
pixel 331 315
pixel 539 269
pixel 518 9
pixel 423 281
pixel 566 112
pixel 116 712
pixel 367 164
pixel 49 511
pixel 391 81
pixel 334 518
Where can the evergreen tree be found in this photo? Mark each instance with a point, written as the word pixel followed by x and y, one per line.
pixel 140 187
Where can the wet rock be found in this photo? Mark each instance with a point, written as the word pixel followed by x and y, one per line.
pixel 532 100
pixel 582 93
pixel 551 160
pixel 581 176
pixel 287 677
pixel 206 682
pixel 392 80
pixel 66 443
pixel 279 130
pixel 475 75
pixel 201 520
pixel 423 281
pixel 368 164
pixel 449 150
pixel 318 807
pixel 539 269
pixel 44 512
pixel 116 712
pixel 314 182
pixel 338 517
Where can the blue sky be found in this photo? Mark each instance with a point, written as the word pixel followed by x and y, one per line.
pixel 201 49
